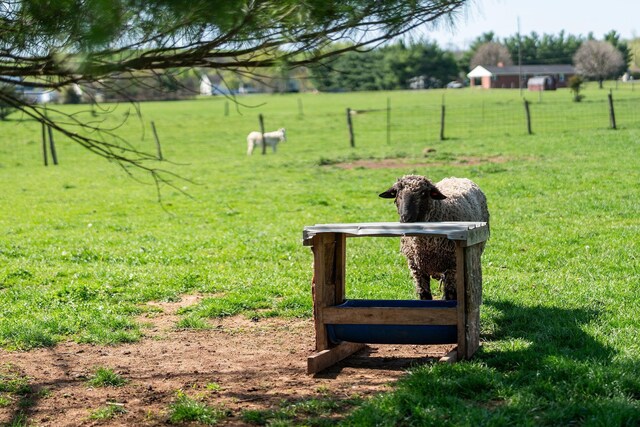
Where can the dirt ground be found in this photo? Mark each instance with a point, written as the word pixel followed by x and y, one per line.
pixel 252 364
pixel 402 163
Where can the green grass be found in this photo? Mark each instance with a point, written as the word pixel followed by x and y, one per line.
pixel 214 387
pixel 83 247
pixel 16 390
pixel 310 412
pixel 186 409
pixel 13 381
pixel 107 412
pixel 106 377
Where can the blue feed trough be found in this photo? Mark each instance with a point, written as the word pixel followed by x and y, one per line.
pixel 394 334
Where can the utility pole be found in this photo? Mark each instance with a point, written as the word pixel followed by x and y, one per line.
pixel 519 60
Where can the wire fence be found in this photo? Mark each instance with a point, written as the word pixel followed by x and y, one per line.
pixel 515 117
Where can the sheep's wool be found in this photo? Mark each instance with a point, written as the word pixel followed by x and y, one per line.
pixel 430 257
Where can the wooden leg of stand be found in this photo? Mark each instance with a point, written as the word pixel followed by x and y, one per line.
pixel 451 357
pixel 325 358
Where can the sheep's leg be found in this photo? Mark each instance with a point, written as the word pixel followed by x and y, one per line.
pixel 424 288
pixel 449 284
pixel 422 281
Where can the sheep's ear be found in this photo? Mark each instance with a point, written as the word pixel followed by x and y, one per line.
pixel 435 194
pixel 389 194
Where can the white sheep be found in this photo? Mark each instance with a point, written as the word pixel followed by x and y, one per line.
pixel 419 200
pixel 272 139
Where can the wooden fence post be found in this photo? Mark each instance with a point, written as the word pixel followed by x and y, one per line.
pixel 155 135
pixel 442 115
pixel 528 114
pixel 352 140
pixel 612 113
pixel 388 120
pixel 44 144
pixel 52 146
pixel 226 108
pixel 264 145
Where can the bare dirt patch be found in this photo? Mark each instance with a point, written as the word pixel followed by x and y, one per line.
pixel 253 365
pixel 405 163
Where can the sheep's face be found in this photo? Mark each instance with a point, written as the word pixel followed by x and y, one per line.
pixel 414 196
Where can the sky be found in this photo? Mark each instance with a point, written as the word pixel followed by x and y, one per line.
pixel 575 17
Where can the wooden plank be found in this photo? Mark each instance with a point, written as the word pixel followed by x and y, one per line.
pixel 329 251
pixel 339 268
pixel 323 359
pixel 461 295
pixel 389 316
pixel 476 235
pixel 452 230
pixel 319 287
pixel 473 283
pixel 328 263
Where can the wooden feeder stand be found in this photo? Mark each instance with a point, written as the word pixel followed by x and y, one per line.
pixel 418 319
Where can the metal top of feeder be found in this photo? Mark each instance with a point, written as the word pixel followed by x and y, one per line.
pixel 468 233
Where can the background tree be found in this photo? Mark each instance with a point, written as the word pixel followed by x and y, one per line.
pixel 627 55
pixel 524 46
pixel 557 49
pixel 387 68
pixel 634 46
pixel 422 59
pixel 545 49
pixel 351 71
pixel 598 60
pixel 56 43
pixel 491 53
pixel 464 63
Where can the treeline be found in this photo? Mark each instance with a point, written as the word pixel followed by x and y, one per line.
pixel 425 65
pixel 549 48
pixel 418 64
pixel 396 66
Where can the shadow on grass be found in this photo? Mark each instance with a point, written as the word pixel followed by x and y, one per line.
pixel 538 366
pixel 537 332
pixel 531 334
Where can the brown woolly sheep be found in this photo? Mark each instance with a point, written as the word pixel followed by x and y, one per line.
pixel 419 200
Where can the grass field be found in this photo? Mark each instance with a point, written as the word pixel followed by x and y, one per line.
pixel 83 245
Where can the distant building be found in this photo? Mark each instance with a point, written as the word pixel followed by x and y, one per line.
pixel 206 88
pixel 541 83
pixel 507 77
pixel 417 82
pixel 30 93
pixel 38 95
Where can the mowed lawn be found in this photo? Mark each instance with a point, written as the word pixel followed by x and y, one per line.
pixel 85 244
